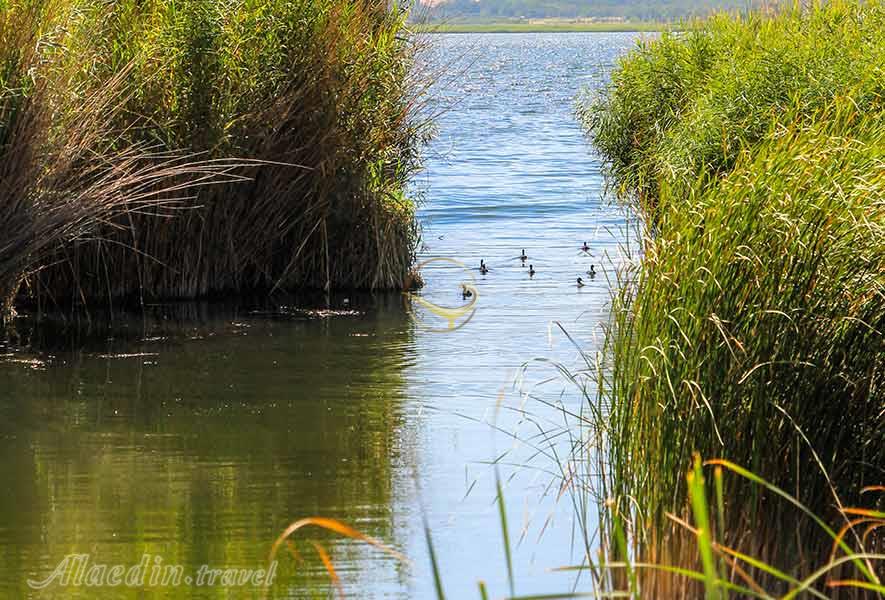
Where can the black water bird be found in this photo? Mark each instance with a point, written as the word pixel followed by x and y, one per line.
pixel 482 267
pixel 581 282
pixel 465 292
pixel 523 257
pixel 531 271
pixel 592 271
pixel 585 247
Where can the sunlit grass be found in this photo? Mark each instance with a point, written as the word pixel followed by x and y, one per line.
pixel 753 325
pixel 706 566
pixel 319 92
pixel 686 104
pixel 64 170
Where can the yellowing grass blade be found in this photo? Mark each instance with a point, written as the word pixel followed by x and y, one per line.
pixel 845 529
pixel 335 527
pixel 864 512
pixel 809 581
pixel 776 490
pixel 330 568
pixel 863 585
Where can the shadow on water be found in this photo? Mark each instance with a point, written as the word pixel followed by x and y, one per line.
pixel 197 432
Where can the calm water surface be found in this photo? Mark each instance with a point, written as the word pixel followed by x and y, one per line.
pixel 198 433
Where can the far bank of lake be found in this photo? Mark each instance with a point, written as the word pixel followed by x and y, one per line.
pixel 543 26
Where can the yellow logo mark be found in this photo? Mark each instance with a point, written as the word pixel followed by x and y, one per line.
pixel 450 314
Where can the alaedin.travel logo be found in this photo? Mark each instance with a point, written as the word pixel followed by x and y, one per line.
pixel 454 317
pixel 79 570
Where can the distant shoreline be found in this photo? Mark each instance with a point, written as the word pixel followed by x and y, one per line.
pixel 542 27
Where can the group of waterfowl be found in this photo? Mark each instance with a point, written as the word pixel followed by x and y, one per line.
pixel 523 257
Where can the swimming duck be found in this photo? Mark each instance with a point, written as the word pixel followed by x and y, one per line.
pixel 592 271
pixel 585 247
pixel 523 256
pixel 580 283
pixel 482 267
pixel 531 271
pixel 465 292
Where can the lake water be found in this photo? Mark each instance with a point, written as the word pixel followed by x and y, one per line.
pixel 197 433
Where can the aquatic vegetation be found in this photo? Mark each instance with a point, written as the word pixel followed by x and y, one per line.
pixel 686 104
pixel 756 318
pixel 318 92
pixel 697 563
pixel 754 326
pixel 62 170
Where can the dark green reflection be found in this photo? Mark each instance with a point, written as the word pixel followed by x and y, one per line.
pixel 198 434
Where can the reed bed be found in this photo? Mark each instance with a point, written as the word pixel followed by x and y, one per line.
pixel 754 326
pixel 686 104
pixel 61 171
pixel 306 107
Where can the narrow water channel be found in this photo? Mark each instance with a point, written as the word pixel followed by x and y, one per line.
pixel 198 433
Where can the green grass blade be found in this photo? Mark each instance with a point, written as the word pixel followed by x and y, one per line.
pixel 806 583
pixel 863 585
pixel 504 532
pixel 483 592
pixel 773 488
pixel 702 522
pixel 437 578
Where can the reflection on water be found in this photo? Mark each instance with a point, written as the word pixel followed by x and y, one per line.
pixel 510 171
pixel 199 432
pixel 198 436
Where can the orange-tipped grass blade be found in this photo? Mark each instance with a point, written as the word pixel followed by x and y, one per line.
pixel 330 568
pixel 749 475
pixel 864 512
pixel 335 527
pixel 869 530
pixel 845 529
pixel 854 583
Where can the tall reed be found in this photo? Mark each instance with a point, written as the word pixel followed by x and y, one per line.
pixel 62 170
pixel 753 329
pixel 318 91
pixel 754 326
pixel 686 104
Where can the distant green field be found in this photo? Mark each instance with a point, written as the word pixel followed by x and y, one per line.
pixel 523 27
